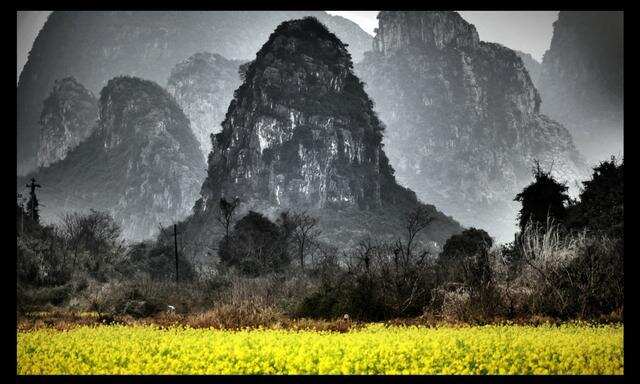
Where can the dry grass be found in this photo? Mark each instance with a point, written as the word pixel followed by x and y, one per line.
pixel 235 317
pixel 224 316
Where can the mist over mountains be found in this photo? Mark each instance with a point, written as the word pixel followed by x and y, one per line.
pixel 280 113
pixel 142 163
pixel 68 117
pixel 581 83
pixel 463 118
pixel 301 135
pixel 203 86
pixel 95 46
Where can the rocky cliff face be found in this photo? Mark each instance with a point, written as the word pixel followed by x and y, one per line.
pixel 95 46
pixel 533 66
pixel 69 116
pixel 462 116
pixel 142 163
pixel 203 86
pixel 582 80
pixel 301 134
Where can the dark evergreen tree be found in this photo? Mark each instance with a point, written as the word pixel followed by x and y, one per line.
pixel 601 204
pixel 464 258
pixel 32 205
pixel 542 199
pixel 255 246
pixel 156 260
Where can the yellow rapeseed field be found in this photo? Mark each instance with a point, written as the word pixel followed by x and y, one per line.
pixel 375 349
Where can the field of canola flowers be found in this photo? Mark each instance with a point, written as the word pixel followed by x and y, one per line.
pixel 375 349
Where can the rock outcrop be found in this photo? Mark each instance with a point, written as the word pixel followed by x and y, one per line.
pixel 203 86
pixel 95 46
pixel 142 163
pixel 462 116
pixel 69 116
pixel 582 78
pixel 301 134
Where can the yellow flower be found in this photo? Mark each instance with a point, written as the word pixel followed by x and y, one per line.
pixel 375 349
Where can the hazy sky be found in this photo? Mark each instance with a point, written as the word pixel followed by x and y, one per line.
pixel 29 24
pixel 527 31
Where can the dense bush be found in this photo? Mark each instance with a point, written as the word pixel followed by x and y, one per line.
pixel 381 280
pixel 464 258
pixel 600 207
pixel 466 275
pixel 570 275
pixel 255 246
pixel 542 199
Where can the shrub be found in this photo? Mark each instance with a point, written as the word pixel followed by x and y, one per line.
pixel 543 198
pixel 156 261
pixel 464 258
pixel 31 299
pixel 467 263
pixel 601 203
pixel 255 246
pixel 579 274
pixel 147 297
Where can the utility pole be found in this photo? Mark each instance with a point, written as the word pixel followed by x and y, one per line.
pixel 175 248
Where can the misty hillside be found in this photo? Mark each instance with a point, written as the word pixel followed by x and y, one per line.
pixel 203 86
pixel 301 135
pixel 68 117
pixel 95 46
pixel 581 84
pixel 463 118
pixel 533 66
pixel 142 163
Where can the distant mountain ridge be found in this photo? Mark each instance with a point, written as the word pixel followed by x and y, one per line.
pixel 203 86
pixel 95 46
pixel 300 134
pixel 68 116
pixel 462 117
pixel 142 163
pixel 582 80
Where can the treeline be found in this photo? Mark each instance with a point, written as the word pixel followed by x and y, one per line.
pixel 566 262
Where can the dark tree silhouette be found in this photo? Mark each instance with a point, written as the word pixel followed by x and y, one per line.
pixel 304 232
pixel 226 214
pixel 417 220
pixel 544 198
pixel 469 242
pixel 464 258
pixel 32 205
pixel 255 246
pixel 92 238
pixel 601 204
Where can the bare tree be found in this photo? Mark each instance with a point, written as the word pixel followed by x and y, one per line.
pixel 226 214
pixel 365 252
pixel 96 234
pixel 72 231
pixel 303 232
pixel 417 220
